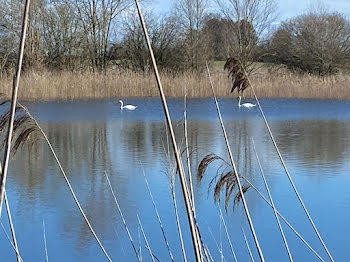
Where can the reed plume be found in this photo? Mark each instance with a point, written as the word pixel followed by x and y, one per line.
pixel 237 74
pixel 225 181
pixel 220 175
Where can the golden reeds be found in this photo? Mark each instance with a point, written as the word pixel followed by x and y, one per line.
pixel 67 85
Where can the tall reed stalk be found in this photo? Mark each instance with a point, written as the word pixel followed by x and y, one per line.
pixel 145 238
pixel 187 199
pixel 247 245
pixel 14 239
pixel 6 159
pixel 228 236
pixel 158 217
pixel 138 256
pixel 217 245
pixel 45 244
pixel 233 165
pixel 273 205
pixel 11 242
pixel 188 155
pixel 15 86
pixel 171 174
pixel 286 169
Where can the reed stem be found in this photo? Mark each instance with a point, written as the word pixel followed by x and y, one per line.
pixel 228 236
pixel 286 169
pixel 123 219
pixel 11 242
pixel 247 245
pixel 145 238
pixel 233 165
pixel 158 217
pixel 14 239
pixel 273 205
pixel 187 200
pixel 13 103
pixel 188 155
pixel 217 245
pixel 45 244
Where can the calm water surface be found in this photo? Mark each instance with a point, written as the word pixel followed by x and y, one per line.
pixel 95 136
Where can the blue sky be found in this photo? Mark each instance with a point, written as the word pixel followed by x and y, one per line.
pixel 286 8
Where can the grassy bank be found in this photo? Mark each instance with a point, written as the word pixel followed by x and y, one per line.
pixel 121 83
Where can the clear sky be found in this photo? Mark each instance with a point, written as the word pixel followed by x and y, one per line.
pixel 286 8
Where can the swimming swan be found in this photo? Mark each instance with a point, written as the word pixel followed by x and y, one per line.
pixel 130 107
pixel 246 105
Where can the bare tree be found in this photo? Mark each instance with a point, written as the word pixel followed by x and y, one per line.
pixel 251 20
pixel 132 51
pixel 97 17
pixel 192 15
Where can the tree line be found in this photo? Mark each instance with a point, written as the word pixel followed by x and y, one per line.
pixel 100 34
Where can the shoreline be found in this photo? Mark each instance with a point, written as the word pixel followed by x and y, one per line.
pixel 67 86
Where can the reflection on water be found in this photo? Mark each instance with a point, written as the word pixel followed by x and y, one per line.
pixel 93 137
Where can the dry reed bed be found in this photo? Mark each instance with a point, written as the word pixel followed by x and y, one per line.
pixel 122 83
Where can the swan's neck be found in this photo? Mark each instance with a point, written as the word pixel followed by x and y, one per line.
pixel 121 104
pixel 239 102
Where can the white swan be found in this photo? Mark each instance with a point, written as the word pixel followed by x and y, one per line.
pixel 246 105
pixel 130 107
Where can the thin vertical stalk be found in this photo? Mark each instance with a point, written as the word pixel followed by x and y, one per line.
pixel 13 103
pixel 222 257
pixel 45 244
pixel 188 155
pixel 250 222
pixel 247 245
pixel 172 172
pixel 145 238
pixel 286 170
pixel 122 217
pixel 118 239
pixel 207 254
pixel 11 242
pixel 187 200
pixel 12 227
pixel 178 223
pixel 228 236
pixel 217 245
pixel 273 205
pixel 158 217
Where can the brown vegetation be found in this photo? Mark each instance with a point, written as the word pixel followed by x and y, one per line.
pixel 126 83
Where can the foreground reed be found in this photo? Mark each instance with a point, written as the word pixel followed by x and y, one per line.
pixel 180 169
pixel 236 176
pixel 46 85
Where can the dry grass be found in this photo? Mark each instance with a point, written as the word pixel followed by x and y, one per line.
pixel 121 83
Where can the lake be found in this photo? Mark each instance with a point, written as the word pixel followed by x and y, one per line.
pixel 93 137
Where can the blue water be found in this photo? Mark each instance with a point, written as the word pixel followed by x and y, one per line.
pixel 93 137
